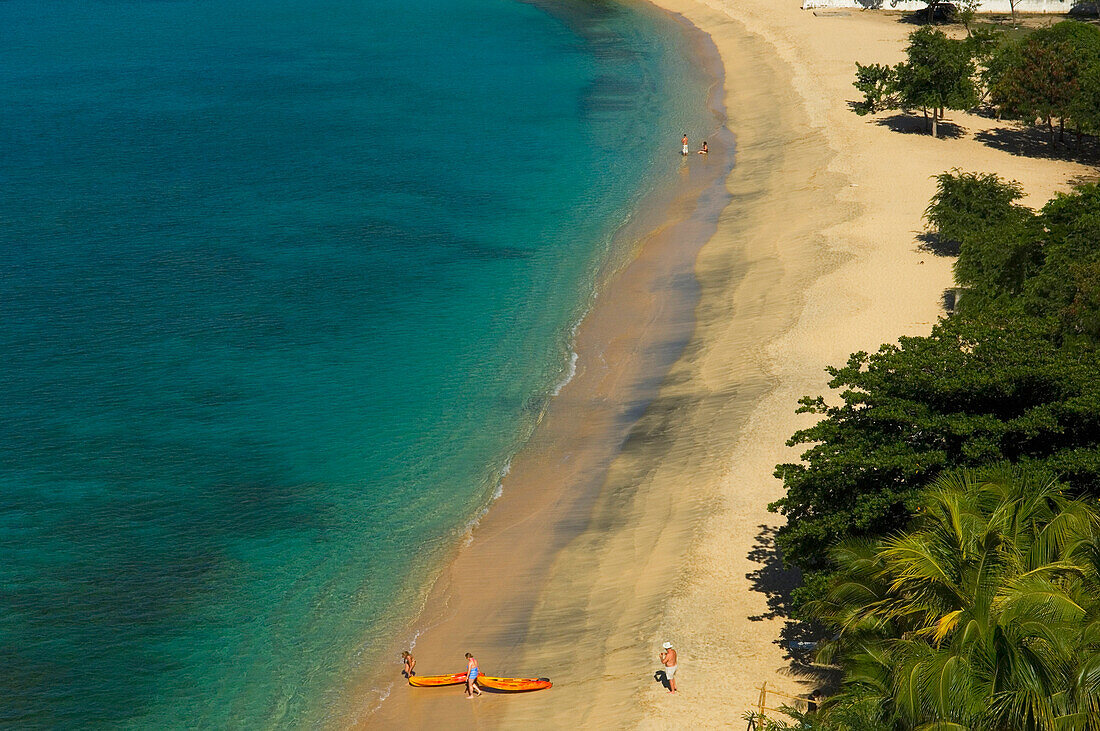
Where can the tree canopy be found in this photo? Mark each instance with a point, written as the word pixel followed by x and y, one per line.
pixel 1013 377
pixel 938 74
pixel 1011 259
pixel 943 512
pixel 979 212
pixel 1050 76
pixel 973 393
pixel 984 615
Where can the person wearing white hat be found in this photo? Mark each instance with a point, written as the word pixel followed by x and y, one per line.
pixel 668 659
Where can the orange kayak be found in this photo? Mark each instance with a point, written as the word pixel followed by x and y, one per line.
pixel 516 685
pixel 431 681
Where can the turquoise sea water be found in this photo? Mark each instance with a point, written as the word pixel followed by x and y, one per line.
pixel 284 286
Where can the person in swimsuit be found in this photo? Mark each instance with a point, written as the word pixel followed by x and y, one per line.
pixel 408 662
pixel 684 142
pixel 472 671
pixel 668 659
pixel 704 150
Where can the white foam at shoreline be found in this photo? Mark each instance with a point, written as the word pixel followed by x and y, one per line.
pixel 497 492
pixel 571 367
pixel 570 371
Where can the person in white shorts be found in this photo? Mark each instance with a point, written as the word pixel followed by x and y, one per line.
pixel 668 659
pixel 684 142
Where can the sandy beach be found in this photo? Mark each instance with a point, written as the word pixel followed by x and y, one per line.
pixel 588 563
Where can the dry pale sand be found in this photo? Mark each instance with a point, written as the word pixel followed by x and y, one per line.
pixel 832 231
pixel 815 257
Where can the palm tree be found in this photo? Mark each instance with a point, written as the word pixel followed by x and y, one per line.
pixel 985 616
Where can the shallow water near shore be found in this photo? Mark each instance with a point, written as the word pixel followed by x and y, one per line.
pixel 287 286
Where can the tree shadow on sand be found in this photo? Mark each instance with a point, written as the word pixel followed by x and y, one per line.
pixel 911 124
pixel 931 243
pixel 776 582
pixel 1035 142
pixel 942 15
pixel 772 579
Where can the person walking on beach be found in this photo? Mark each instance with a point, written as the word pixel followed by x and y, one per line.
pixel 684 142
pixel 472 671
pixel 408 662
pixel 668 659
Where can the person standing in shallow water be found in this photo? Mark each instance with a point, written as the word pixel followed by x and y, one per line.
pixel 668 659
pixel 684 142
pixel 472 671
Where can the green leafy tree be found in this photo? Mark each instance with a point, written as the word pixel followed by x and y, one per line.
pixel 999 240
pixel 937 75
pixel 975 392
pixel 946 630
pixel 1047 76
pixel 984 45
pixel 1041 265
pixel 965 13
pixel 1081 44
pixel 1071 231
pixel 1085 108
pixel 1083 313
pixel 984 615
pixel 1082 40
pixel 1040 87
pixel 994 76
pixel 878 83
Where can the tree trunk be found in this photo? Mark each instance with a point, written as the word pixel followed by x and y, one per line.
pixel 1050 128
pixel 935 124
pixel 1062 130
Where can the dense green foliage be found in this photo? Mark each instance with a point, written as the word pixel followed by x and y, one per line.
pixel 943 512
pixel 975 392
pixel 985 615
pixel 938 74
pixel 878 84
pixel 979 212
pixel 1012 260
pixel 1012 377
pixel 958 602
pixel 1050 76
pixel 1085 108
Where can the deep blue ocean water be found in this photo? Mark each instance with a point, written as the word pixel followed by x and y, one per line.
pixel 284 286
